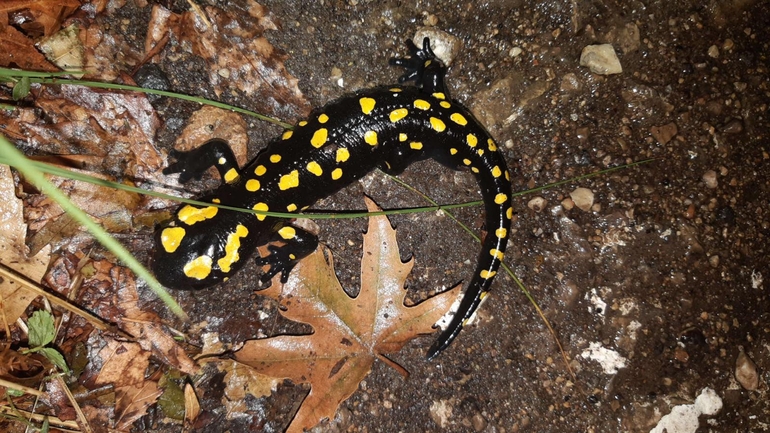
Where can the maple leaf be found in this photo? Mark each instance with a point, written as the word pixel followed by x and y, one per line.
pixel 348 333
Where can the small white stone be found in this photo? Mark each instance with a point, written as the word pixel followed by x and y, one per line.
pixel 710 179
pixel 601 59
pixel 444 45
pixel 583 198
pixel 537 204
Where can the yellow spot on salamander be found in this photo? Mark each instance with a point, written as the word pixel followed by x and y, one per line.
pixel 302 123
pixel 439 95
pixel 343 154
pixel 367 105
pixel 472 140
pixel 171 237
pixel 261 207
pixel 275 158
pixel 509 213
pixel 287 134
pixel 323 118
pixel 216 200
pixel 260 170
pixel 507 175
pixel 395 89
pixel 315 168
pixel 291 207
pixel 287 232
pixel 371 138
pixel 487 275
pixel 458 119
pixel 496 253
pixel 198 268
pixel 231 175
pixel 416 145
pixel 222 160
pixel 496 172
pixel 336 173
pixel 501 233
pixel 290 180
pixel 252 185
pixel 421 104
pixel 480 152
pixel 501 198
pixel 437 124
pixel 453 151
pixel 398 114
pixel 492 145
pixel 231 248
pixel 445 104
pixel 483 295
pixel 402 137
pixel 467 161
pixel 319 137
pixel 475 170
pixel 191 215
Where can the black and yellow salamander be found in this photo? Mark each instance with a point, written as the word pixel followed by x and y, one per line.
pixel 384 127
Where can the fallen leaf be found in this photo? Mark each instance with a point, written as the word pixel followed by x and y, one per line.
pixel 13 252
pixel 348 333
pixel 238 55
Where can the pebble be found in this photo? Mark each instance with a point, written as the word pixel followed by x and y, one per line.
pixel 441 413
pixel 746 372
pixel 713 52
pixel 710 179
pixel 537 204
pixel 728 45
pixel 664 134
pixel 734 126
pixel 583 198
pixel 444 45
pixel 479 422
pixel 601 59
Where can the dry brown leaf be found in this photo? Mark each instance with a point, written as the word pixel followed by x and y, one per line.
pixel 122 307
pixel 241 380
pixel 26 370
pixel 13 252
pixel 238 55
pixel 42 17
pixel 209 122
pixel 19 52
pixel 117 128
pixel 348 333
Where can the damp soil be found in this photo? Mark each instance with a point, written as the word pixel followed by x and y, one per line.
pixel 662 273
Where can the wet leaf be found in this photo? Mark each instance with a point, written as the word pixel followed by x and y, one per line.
pixel 348 333
pixel 13 252
pixel 237 53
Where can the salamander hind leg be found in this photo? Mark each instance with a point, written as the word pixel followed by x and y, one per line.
pixel 423 68
pixel 192 164
pixel 298 243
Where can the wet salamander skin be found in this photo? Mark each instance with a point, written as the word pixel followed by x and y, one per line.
pixel 386 128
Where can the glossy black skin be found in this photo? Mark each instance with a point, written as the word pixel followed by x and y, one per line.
pixel 347 125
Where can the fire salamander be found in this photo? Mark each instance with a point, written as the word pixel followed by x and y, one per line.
pixel 386 128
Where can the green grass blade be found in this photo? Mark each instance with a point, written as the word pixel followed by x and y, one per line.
pixel 16 159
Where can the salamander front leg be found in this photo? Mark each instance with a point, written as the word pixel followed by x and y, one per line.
pixel 193 164
pixel 298 243
pixel 423 68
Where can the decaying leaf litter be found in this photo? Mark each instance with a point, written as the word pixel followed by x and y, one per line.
pixel 665 252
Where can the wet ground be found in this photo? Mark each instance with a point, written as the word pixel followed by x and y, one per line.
pixel 660 277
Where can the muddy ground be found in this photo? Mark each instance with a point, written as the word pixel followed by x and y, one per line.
pixel 662 274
